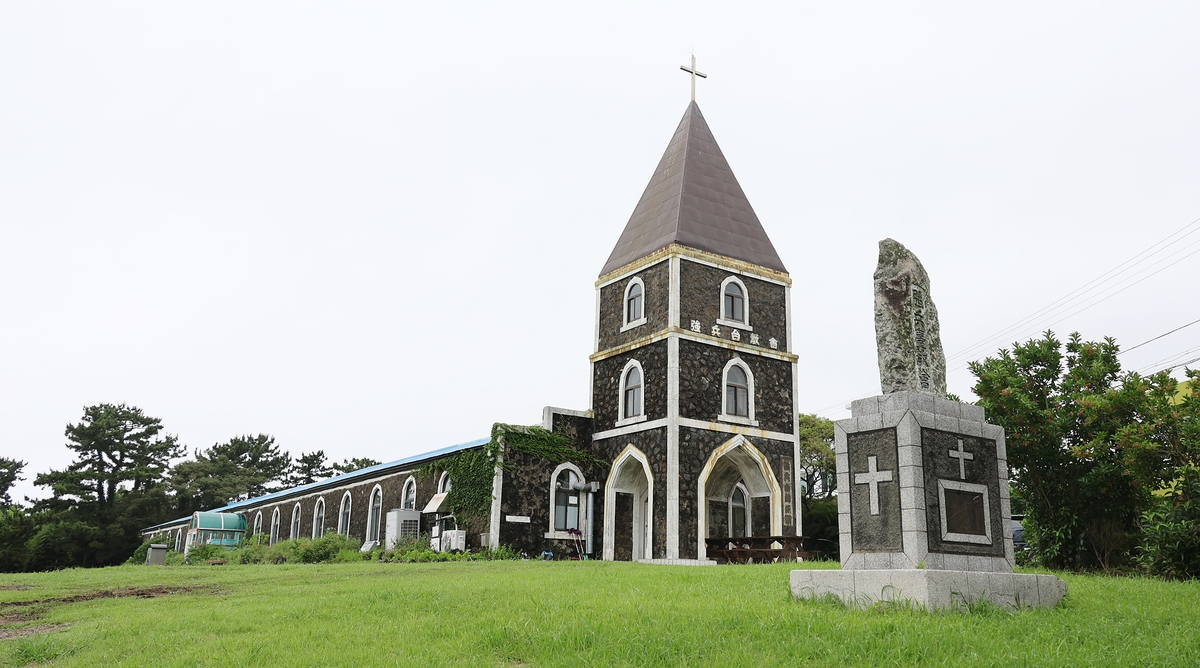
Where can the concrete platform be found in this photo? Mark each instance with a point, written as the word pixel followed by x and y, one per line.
pixel 930 589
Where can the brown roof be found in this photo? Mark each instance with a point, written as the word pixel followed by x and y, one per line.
pixel 694 199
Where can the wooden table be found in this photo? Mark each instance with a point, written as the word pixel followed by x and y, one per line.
pixel 756 549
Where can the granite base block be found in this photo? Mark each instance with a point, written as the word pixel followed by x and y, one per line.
pixel 930 589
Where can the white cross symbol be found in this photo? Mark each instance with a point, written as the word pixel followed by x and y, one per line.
pixel 962 458
pixel 872 478
pixel 695 73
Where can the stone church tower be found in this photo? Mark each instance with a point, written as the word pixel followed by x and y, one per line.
pixel 693 376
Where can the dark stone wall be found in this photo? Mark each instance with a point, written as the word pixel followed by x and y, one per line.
pixel 882 532
pixel 526 492
pixel 606 387
pixel 656 306
pixel 360 494
pixel 982 470
pixel 695 447
pixel 652 442
pixel 701 394
pixel 700 299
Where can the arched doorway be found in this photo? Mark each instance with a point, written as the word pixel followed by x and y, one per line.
pixel 629 508
pixel 737 492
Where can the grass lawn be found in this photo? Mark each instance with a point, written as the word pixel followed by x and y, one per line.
pixel 563 613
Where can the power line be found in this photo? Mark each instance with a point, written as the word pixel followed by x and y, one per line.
pixel 1157 337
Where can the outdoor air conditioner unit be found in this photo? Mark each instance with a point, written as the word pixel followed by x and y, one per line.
pixel 402 524
pixel 454 539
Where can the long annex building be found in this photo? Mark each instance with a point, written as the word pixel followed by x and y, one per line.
pixel 693 421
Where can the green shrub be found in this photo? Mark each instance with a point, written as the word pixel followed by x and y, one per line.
pixel 203 553
pixel 1171 529
pixel 326 549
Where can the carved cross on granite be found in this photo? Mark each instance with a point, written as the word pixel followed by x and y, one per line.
pixel 872 478
pixel 963 457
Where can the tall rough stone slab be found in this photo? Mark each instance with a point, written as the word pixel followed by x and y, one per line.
pixel 907 334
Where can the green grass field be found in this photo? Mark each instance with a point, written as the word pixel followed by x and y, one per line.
pixel 564 613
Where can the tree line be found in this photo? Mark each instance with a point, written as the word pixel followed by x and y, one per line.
pixel 129 474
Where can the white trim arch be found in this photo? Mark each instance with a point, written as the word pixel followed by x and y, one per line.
pixel 623 477
pixel 748 525
pixel 374 515
pixel 641 416
pixel 297 515
pixel 626 323
pixel 257 524
pixel 411 483
pixel 725 318
pixel 274 537
pixel 318 528
pixel 748 419
pixel 345 513
pixel 444 483
pixel 754 472
pixel 550 530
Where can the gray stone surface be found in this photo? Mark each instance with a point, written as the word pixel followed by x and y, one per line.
pixel 879 531
pixel 700 299
pixel 907 334
pixel 930 589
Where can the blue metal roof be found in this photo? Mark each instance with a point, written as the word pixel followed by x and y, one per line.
pixel 336 481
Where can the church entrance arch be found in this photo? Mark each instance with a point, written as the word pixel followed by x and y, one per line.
pixel 734 468
pixel 629 508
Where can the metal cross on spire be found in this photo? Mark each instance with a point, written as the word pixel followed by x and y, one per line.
pixel 695 73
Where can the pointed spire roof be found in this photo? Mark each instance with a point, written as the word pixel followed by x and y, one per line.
pixel 694 200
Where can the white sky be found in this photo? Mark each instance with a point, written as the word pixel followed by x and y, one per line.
pixel 374 229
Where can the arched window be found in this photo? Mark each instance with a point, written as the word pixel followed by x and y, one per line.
pixel 444 483
pixel 566 501
pixel 738 402
pixel 344 515
pixel 275 527
pixel 258 523
pixel 735 305
pixel 408 501
pixel 633 392
pixel 737 393
pixel 739 523
pixel 295 522
pixel 319 519
pixel 631 407
pixel 374 513
pixel 178 539
pixel 635 304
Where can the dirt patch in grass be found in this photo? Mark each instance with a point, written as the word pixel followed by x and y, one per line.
pixel 138 592
pixel 15 587
pixel 26 631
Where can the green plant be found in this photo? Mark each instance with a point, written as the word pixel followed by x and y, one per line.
pixel 204 553
pixel 328 548
pixel 1171 528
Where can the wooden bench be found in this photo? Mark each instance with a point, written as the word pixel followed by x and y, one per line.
pixel 756 549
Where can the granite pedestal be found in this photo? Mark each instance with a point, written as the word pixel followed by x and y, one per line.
pixel 923 509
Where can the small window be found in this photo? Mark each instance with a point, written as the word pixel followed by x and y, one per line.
pixel 178 539
pixel 374 514
pixel 258 524
pixel 633 303
pixel 737 392
pixel 633 392
pixel 444 484
pixel 735 303
pixel 344 515
pixel 319 519
pixel 409 500
pixel 295 522
pixel 275 527
pixel 738 524
pixel 566 501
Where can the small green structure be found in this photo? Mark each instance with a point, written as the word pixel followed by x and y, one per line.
pixel 224 529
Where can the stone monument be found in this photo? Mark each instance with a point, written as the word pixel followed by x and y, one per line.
pixel 922 480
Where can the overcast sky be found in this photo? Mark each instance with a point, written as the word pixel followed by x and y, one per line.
pixel 375 229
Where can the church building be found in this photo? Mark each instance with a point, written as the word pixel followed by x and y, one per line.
pixel 692 426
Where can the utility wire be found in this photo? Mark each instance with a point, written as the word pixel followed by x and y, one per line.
pixel 1157 337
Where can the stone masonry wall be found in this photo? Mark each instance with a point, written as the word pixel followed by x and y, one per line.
pixel 701 394
pixel 652 442
pixel 700 299
pixel 655 306
pixel 606 386
pixel 695 447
